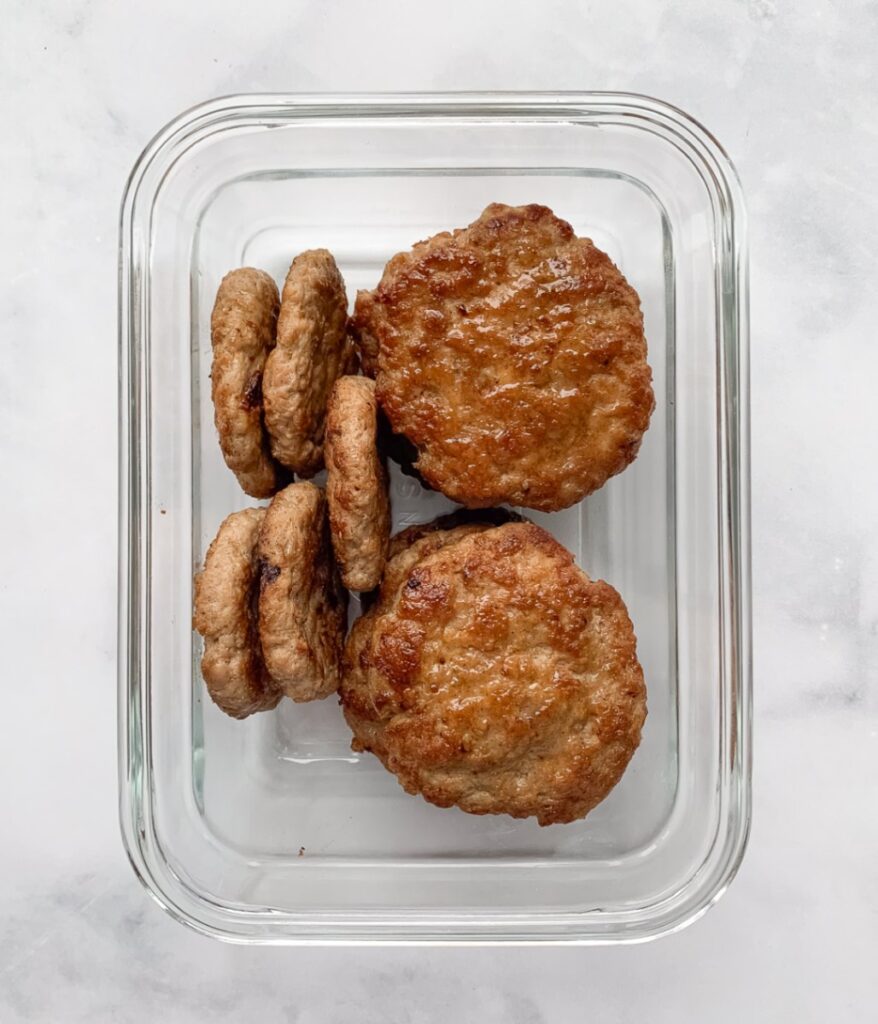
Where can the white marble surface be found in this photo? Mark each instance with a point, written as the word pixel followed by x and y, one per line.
pixel 791 91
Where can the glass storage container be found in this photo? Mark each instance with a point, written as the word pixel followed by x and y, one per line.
pixel 271 829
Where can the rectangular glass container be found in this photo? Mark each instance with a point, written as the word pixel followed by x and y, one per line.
pixel 271 829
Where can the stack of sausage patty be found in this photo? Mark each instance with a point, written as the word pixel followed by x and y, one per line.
pixel 507 361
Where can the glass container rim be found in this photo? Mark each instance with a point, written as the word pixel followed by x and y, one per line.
pixel 476 928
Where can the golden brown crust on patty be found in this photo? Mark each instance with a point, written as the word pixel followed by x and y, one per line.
pixel 242 328
pixel 225 615
pixel 511 353
pixel 498 678
pixel 356 483
pixel 416 542
pixel 313 348
pixel 302 605
pixel 406 549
